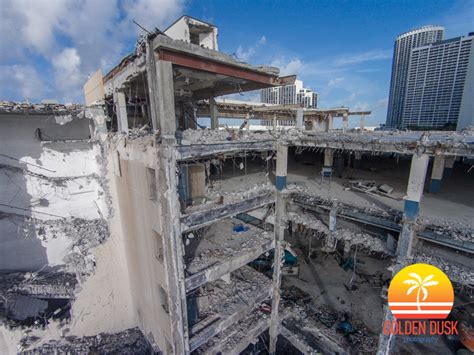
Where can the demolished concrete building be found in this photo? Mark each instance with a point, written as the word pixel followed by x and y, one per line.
pixel 127 219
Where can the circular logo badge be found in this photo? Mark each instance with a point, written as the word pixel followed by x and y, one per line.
pixel 420 291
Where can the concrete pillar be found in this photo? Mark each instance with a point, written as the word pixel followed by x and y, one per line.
pixel 121 111
pixel 437 173
pixel 345 122
pixel 281 166
pixel 213 113
pixel 416 183
pixel 274 121
pixel 299 119
pixel 357 159
pixel 279 232
pixel 165 95
pixel 362 122
pixel 328 157
pixel 166 182
pixel 448 165
pixel 329 122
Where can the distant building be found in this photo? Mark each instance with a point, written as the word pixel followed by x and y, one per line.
pixel 290 95
pixel 401 58
pixel 439 88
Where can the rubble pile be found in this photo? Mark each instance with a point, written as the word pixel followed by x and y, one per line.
pixel 239 243
pixel 130 341
pixel 349 237
pixel 227 340
pixel 209 136
pixel 246 285
pixel 40 108
pixel 452 230
pixel 455 273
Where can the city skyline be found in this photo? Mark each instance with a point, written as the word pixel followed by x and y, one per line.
pixel 347 59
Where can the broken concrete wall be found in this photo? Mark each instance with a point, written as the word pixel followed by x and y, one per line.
pixel 45 187
pixel 136 191
pixel 55 205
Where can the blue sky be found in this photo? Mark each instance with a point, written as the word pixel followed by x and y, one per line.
pixel 341 49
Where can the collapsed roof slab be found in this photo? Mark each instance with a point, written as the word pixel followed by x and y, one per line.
pixel 432 143
pixel 202 218
pixel 234 340
pixel 387 220
pixel 193 151
pixel 230 303
pixel 220 251
pixel 195 57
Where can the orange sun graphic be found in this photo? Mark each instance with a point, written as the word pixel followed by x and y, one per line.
pixel 420 291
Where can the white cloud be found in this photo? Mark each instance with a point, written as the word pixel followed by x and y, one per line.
pixel 89 34
pixel 22 81
pixel 247 54
pixel 153 13
pixel 335 82
pixel 364 57
pixel 68 75
pixel 293 66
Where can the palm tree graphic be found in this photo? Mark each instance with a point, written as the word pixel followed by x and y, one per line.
pixel 418 283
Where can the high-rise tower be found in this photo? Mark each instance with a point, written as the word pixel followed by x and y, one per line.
pixel 401 58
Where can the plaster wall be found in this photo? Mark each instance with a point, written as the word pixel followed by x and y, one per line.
pixel 140 217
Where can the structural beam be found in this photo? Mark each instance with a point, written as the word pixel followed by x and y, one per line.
pixel 200 219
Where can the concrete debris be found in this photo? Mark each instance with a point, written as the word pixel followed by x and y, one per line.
pixel 48 108
pixel 219 242
pixel 130 341
pixel 39 284
pixel 371 188
pixel 349 237
pixel 246 285
pixel 216 197
pixel 455 273
pixel 208 136
pixel 317 326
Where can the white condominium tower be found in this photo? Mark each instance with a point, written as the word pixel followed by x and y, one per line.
pixel 401 58
pixel 290 95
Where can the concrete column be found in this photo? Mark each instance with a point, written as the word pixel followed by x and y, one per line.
pixel 345 122
pixel 328 157
pixel 166 182
pixel 299 119
pixel 416 182
pixel 274 121
pixel 329 122
pixel 357 159
pixel 448 165
pixel 121 111
pixel 362 122
pixel 437 173
pixel 165 94
pixel 279 232
pixel 213 113
pixel 281 166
